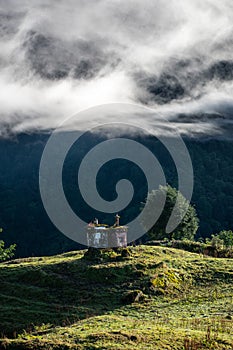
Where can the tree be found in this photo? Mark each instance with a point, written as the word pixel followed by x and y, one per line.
pixel 188 226
pixel 226 237
pixel 6 253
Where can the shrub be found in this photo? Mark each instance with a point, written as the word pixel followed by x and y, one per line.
pixel 6 253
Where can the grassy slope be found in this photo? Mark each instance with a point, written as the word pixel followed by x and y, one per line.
pixel 66 302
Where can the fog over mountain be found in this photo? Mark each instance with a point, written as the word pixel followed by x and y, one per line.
pixel 60 57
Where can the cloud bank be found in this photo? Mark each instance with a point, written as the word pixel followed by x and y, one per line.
pixel 58 58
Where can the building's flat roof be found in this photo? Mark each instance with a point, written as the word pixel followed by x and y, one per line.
pixel 101 228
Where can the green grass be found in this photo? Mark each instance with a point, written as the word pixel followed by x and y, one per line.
pixel 67 302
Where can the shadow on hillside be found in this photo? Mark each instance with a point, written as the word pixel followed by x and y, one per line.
pixel 62 293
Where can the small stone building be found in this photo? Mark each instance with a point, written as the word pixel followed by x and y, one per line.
pixel 103 236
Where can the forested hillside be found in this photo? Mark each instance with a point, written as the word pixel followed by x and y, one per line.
pixel 25 221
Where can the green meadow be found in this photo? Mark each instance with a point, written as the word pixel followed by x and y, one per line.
pixel 141 297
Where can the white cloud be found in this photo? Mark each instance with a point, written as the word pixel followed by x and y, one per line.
pixel 99 49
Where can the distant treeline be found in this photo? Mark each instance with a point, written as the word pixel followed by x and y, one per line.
pixel 25 221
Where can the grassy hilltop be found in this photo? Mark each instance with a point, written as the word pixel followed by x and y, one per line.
pixel 155 298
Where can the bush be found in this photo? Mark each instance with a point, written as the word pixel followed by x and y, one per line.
pixel 6 253
pixel 217 242
pixel 227 238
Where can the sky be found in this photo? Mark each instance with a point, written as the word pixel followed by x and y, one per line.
pixel 60 57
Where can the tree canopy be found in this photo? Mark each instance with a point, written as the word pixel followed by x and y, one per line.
pixel 188 225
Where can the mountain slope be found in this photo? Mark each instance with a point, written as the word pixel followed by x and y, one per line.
pixel 25 221
pixel 145 297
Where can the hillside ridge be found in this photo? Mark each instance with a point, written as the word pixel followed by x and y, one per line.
pixel 147 297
